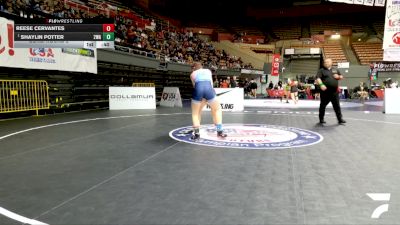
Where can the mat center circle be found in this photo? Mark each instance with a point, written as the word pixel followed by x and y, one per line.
pixel 250 136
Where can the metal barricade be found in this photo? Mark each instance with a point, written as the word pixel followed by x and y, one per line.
pixel 23 95
pixel 143 85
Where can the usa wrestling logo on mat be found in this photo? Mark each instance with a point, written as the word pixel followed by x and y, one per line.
pixel 250 136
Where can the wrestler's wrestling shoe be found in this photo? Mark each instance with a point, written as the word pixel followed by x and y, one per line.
pixel 221 134
pixel 195 136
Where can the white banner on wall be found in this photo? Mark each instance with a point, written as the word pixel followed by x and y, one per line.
pixel 391 39
pixel 171 97
pixel 289 51
pixel 256 72
pixel 343 65
pixel 362 2
pixel 369 2
pixel 391 55
pixel 380 3
pixel 315 50
pixel 132 98
pixel 231 99
pixel 66 59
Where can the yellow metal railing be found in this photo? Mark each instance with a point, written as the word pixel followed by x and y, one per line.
pixel 143 85
pixel 23 95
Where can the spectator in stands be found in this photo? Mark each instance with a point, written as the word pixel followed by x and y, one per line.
pixel 2 5
pixel 280 85
pixel 375 86
pixel 393 84
pixel 271 85
pixel 233 82
pixel 302 91
pixel 228 80
pixel 224 84
pixel 9 7
pixel 362 91
pixel 189 59
pixel 216 82
pixel 294 91
pixel 246 87
pixel 385 84
pixel 316 90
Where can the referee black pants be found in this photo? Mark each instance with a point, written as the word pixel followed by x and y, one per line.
pixel 326 97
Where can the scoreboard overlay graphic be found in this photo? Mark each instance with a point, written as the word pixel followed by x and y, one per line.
pixel 64 33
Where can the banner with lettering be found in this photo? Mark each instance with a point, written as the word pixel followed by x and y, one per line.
pixel 275 65
pixel 386 66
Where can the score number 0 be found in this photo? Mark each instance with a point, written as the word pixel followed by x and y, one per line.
pixel 108 28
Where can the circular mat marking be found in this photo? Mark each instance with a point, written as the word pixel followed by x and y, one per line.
pixel 250 136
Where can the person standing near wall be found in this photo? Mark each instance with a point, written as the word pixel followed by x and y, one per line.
pixel 233 82
pixel 294 91
pixel 216 82
pixel 253 88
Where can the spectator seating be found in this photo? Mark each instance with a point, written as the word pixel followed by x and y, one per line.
pixel 247 30
pixel 331 50
pixel 335 52
pixel 319 26
pixel 379 26
pixel 368 52
pixel 288 31
pixel 245 53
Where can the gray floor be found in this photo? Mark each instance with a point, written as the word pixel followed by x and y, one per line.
pixel 127 170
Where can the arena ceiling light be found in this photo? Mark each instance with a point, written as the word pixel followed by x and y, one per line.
pixel 335 36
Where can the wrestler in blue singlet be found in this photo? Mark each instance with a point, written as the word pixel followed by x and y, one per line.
pixel 203 87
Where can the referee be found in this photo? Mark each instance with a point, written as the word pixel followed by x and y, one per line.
pixel 328 79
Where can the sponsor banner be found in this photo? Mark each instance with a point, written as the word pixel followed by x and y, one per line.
pixel 66 59
pixel 256 72
pixel 391 101
pixel 391 55
pixel 369 2
pixel 132 98
pixel 315 50
pixel 380 3
pixel 250 136
pixel 386 66
pixel 171 97
pixel 343 1
pixel 343 65
pixel 231 99
pixel 391 37
pixel 275 65
pixel 289 51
